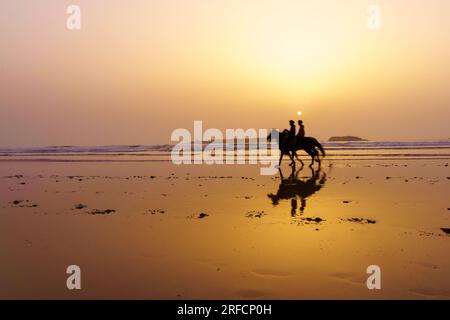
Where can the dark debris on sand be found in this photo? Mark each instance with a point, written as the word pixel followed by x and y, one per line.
pixel 155 211
pixel 245 197
pixel 201 215
pixel 255 214
pixel 80 206
pixel 360 220
pixel 17 176
pixel 316 220
pixel 101 212
pixel 22 204
pixel 309 220
pixel 434 234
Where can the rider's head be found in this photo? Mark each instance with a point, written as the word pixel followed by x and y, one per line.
pixel 300 122
pixel 291 122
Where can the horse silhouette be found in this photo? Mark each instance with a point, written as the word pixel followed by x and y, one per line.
pixel 293 187
pixel 308 144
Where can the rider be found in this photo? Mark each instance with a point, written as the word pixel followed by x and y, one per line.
pixel 291 136
pixel 292 129
pixel 301 130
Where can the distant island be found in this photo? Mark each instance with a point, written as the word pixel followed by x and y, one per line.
pixel 346 138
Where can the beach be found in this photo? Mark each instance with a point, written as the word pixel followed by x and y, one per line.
pixel 141 227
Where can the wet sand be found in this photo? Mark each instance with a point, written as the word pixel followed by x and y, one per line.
pixel 160 231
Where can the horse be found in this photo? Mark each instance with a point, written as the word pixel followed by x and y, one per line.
pixel 309 144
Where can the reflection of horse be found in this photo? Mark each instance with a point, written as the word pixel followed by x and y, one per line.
pixel 293 186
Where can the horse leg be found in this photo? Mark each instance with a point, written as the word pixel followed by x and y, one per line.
pixel 312 158
pixel 281 158
pixel 292 159
pixel 296 157
pixel 281 174
pixel 315 155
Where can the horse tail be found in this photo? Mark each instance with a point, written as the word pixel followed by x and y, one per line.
pixel 322 150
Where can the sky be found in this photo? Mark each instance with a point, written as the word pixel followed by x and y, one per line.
pixel 137 70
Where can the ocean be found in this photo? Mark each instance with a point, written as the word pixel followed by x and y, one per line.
pixel 364 150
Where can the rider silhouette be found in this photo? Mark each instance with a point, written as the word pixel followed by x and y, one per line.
pixel 301 129
pixel 291 137
pixel 292 129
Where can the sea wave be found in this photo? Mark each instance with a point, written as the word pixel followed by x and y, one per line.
pixel 85 149
pixel 433 149
pixel 130 149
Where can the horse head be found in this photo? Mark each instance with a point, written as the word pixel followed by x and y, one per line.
pixel 274 133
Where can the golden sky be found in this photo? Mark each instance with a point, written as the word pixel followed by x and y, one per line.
pixel 139 69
